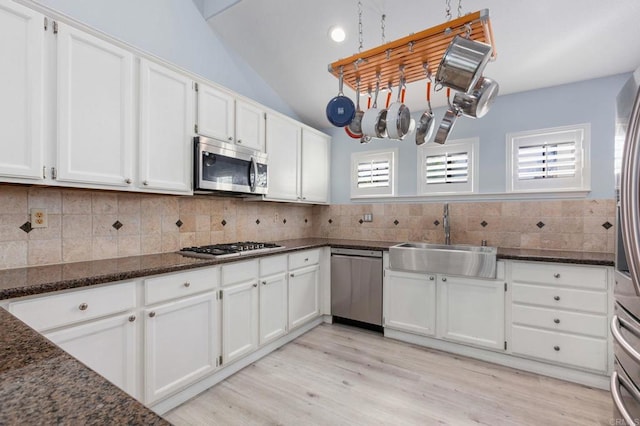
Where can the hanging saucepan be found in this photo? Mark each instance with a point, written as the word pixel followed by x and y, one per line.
pixel 398 115
pixel 373 122
pixel 446 125
pixel 477 103
pixel 427 123
pixel 354 129
pixel 462 64
pixel 340 109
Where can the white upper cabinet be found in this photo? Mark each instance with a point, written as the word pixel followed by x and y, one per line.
pixel 21 104
pixel 95 110
pixel 315 166
pixel 166 126
pixel 216 113
pixel 283 148
pixel 250 125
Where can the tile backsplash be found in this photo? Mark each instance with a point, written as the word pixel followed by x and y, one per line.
pixel 92 224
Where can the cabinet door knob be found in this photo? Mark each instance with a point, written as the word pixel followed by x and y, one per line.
pixel 230 138
pixel 556 297
pixel 264 283
pixel 132 318
pixel 83 307
pixel 255 284
pixel 444 279
pixel 556 348
pixel 145 183
pixel 152 314
pixel 556 275
pixel 187 284
pixel 306 259
pixel 127 181
pixel 239 141
pixel 292 275
pixel 557 321
pixel 431 278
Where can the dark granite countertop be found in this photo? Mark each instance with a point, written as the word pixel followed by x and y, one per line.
pixel 42 384
pixel 44 279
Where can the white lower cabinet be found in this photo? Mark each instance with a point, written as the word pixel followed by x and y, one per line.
pixel 181 344
pixel 108 346
pixel 273 298
pixel 471 311
pixel 304 295
pixel 409 302
pixel 239 320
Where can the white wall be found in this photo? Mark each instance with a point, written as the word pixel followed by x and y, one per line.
pixel 176 31
pixel 591 101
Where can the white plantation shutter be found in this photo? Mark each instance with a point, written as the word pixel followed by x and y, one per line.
pixel 373 173
pixel 451 168
pixel 549 160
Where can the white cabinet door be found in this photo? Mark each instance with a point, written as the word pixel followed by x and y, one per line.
pixel 304 295
pixel 250 125
pixel 21 103
pixel 409 301
pixel 181 344
pixel 471 311
pixel 273 307
pixel 95 110
pixel 239 320
pixel 107 346
pixel 315 167
pixel 166 125
pixel 283 148
pixel 216 113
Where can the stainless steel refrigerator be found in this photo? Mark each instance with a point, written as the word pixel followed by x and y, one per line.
pixel 625 324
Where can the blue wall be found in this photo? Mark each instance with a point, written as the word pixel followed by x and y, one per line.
pixel 175 31
pixel 591 101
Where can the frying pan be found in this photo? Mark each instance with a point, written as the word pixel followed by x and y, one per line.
pixel 427 122
pixel 354 129
pixel 446 125
pixel 340 109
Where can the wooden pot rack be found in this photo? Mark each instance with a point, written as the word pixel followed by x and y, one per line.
pixel 427 46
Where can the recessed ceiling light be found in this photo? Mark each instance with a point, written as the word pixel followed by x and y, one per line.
pixel 337 34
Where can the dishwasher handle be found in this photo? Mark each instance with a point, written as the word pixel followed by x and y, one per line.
pixel 356 252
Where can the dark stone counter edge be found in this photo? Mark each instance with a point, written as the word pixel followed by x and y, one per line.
pixel 599 259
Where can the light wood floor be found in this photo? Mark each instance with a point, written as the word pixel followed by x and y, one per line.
pixel 338 375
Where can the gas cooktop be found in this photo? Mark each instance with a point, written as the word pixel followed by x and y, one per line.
pixel 217 251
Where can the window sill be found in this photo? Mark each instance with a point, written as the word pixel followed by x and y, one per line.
pixel 498 196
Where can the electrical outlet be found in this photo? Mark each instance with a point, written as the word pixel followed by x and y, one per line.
pixel 39 218
pixel 367 217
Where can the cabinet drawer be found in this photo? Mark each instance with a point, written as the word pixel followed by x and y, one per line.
pixel 560 274
pixel 304 258
pixel 48 312
pixel 273 265
pixel 560 320
pixel 173 286
pixel 581 300
pixel 234 273
pixel 578 351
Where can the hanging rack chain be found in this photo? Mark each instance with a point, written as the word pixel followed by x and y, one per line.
pixel 360 40
pixel 382 19
pixel 459 8
pixel 447 10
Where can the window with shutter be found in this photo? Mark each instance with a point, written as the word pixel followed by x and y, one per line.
pixel 549 159
pixel 448 169
pixel 373 173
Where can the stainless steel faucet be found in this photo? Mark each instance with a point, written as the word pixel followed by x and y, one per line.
pixel 445 224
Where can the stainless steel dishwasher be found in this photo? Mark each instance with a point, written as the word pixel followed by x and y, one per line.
pixel 356 287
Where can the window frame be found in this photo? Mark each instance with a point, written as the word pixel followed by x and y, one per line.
pixel 580 134
pixel 361 156
pixel 469 145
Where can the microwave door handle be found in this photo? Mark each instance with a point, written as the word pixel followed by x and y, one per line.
pixel 630 191
pixel 253 172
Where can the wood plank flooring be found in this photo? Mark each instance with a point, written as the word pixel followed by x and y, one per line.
pixel 338 375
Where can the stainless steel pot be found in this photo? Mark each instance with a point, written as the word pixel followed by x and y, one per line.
pixel 398 116
pixel 462 64
pixel 477 103
pixel 374 121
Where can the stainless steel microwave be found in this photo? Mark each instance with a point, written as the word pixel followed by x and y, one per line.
pixel 221 166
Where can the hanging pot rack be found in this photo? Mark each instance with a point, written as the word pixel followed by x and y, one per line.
pixel 410 53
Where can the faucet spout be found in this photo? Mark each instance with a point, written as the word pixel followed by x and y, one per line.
pixel 446 225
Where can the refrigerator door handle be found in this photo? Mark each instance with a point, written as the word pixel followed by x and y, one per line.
pixel 630 195
pixel 616 324
pixel 616 382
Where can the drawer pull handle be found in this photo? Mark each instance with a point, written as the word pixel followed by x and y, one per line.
pixel 306 259
pixel 556 348
pixel 255 284
pixel 556 297
pixel 557 321
pixel 556 275
pixel 187 284
pixel 152 314
pixel 83 307
pixel 431 278
pixel 132 318
pixel 264 283
pixel 444 279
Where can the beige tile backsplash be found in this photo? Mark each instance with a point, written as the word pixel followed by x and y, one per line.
pixel 80 223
